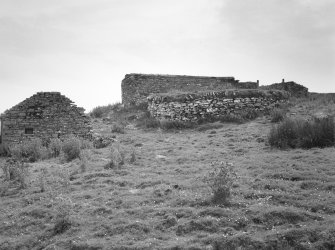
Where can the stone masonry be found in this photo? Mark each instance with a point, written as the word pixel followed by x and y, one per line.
pixel 190 107
pixel 44 115
pixel 294 88
pixel 137 87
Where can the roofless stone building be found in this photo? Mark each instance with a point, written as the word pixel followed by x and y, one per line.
pixel 44 115
pixel 294 88
pixel 137 87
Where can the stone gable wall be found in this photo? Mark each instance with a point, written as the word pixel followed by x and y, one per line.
pixel 49 114
pixel 190 107
pixel 137 87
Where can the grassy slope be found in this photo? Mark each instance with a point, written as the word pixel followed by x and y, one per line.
pixel 282 199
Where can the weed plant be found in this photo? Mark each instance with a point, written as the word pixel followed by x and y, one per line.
pixel 31 151
pixel 249 114
pixel 83 161
pixel 132 156
pixel 71 148
pixel 117 128
pixel 231 118
pixel 85 144
pixel 220 180
pixel 16 171
pixel 147 121
pixel 117 157
pixel 4 187
pixel 5 170
pixel 62 218
pixel 42 180
pixel 298 133
pixel 174 124
pixel 55 147
pixel 4 150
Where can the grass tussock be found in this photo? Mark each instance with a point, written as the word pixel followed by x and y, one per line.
pixel 277 115
pixel 298 133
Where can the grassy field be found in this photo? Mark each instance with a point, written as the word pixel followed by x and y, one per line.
pixel 157 199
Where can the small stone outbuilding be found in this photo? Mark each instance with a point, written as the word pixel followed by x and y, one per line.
pixel 44 115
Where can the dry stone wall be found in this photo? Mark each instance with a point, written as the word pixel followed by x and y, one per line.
pixel 137 87
pixel 191 107
pixel 44 115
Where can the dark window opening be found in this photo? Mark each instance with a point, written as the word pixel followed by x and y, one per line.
pixel 29 131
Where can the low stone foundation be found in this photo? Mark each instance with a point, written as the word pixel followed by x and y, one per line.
pixel 191 107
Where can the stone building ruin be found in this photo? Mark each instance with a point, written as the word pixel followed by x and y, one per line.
pixel 188 98
pixel 137 87
pixel 44 115
pixel 294 88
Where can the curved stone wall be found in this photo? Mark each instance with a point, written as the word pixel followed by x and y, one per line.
pixel 190 107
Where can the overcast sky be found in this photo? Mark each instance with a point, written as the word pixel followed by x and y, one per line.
pixel 83 48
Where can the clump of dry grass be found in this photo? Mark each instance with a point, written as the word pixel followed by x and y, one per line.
pixel 277 115
pixel 298 133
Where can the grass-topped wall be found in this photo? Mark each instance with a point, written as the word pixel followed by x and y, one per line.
pixel 193 106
